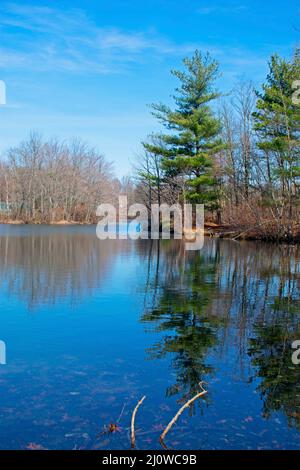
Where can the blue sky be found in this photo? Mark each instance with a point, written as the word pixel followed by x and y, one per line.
pixel 89 68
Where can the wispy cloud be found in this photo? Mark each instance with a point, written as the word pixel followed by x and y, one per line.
pixel 206 10
pixel 37 38
pixel 227 7
pixel 48 38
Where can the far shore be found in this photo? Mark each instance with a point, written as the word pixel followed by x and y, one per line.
pixel 211 230
pixel 59 222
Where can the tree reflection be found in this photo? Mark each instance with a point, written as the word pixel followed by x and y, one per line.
pixel 43 265
pixel 270 347
pixel 243 297
pixel 183 315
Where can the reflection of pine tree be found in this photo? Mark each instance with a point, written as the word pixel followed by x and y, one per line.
pixel 181 313
pixel 271 352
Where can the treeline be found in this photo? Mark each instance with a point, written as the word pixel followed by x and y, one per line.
pixel 238 155
pixel 50 181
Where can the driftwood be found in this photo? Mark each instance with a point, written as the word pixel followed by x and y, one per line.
pixel 252 228
pixel 173 421
pixel 133 421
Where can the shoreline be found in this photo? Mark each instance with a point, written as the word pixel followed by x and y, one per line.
pixel 211 230
pixel 58 223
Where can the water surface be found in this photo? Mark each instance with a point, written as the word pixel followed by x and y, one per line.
pixel 91 326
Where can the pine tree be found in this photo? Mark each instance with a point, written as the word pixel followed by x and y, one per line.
pixel 277 121
pixel 192 139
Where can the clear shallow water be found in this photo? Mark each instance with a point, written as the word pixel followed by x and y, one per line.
pixel 91 327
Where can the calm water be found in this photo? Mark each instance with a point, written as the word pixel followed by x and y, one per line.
pixel 90 327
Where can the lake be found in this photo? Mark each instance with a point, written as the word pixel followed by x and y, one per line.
pixel 91 326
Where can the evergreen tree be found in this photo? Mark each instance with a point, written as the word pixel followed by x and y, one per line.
pixel 277 121
pixel 192 141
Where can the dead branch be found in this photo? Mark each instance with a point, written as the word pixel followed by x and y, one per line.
pixel 173 421
pixel 121 414
pixel 133 421
pixel 251 228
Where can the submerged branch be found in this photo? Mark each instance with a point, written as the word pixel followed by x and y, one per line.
pixel 173 421
pixel 133 421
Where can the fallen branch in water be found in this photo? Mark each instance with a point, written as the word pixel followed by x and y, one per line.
pixel 133 420
pixel 251 228
pixel 173 421
pixel 121 414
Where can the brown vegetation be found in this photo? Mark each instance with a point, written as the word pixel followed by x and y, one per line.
pixel 54 182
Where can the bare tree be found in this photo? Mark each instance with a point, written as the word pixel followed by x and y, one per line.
pixel 46 181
